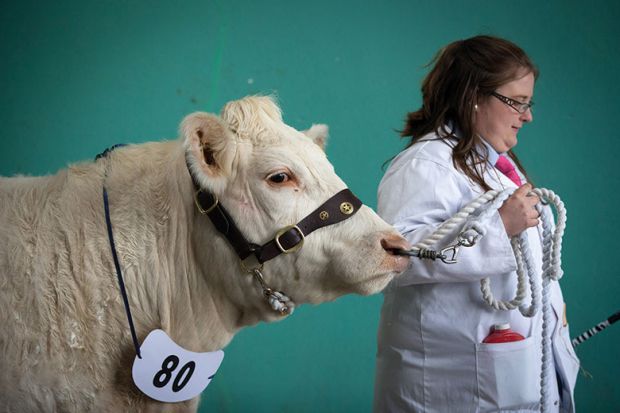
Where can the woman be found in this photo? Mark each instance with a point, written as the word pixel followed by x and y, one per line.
pixel 431 356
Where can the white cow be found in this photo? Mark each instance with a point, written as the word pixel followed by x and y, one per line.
pixel 64 335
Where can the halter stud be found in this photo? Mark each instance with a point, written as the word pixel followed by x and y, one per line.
pixel 347 208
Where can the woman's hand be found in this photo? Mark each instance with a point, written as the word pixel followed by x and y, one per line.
pixel 519 211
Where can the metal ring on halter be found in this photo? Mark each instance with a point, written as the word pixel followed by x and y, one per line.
pixel 211 208
pixel 257 266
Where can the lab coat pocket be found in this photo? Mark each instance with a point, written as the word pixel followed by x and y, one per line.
pixel 508 375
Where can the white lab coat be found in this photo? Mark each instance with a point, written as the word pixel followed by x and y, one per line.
pixel 430 353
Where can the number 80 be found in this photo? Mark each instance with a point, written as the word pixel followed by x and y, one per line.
pixel 164 375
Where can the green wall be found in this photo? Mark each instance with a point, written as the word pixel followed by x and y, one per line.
pixel 78 76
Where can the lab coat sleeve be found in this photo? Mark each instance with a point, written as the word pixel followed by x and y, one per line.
pixel 417 198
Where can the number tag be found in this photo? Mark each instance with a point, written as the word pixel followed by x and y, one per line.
pixel 169 373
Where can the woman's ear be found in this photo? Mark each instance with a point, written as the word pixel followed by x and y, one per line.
pixel 209 147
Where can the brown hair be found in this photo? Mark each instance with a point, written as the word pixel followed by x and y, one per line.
pixel 463 73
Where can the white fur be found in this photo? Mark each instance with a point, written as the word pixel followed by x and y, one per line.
pixel 318 133
pixel 65 340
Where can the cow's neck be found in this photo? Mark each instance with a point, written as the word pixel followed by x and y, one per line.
pixel 184 277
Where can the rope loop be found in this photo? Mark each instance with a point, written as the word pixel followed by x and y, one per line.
pixel 473 228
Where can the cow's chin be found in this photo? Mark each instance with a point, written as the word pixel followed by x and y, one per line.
pixel 352 279
pixel 366 286
pixel 374 285
pixel 341 272
pixel 389 266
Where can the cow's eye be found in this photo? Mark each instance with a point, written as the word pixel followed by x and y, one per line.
pixel 279 178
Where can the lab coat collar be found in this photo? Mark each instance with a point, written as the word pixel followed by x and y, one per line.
pixel 493 155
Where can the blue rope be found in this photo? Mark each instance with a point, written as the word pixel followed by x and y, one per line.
pixel 117 264
pixel 121 283
pixel 108 150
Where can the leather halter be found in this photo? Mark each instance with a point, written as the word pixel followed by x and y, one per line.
pixel 289 239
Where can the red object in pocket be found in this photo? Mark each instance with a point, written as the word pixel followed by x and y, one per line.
pixel 501 333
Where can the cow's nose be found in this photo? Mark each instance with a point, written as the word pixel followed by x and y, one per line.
pixel 393 242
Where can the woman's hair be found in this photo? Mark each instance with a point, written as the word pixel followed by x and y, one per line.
pixel 464 73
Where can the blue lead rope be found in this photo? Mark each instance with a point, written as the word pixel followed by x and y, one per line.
pixel 117 264
pixel 121 283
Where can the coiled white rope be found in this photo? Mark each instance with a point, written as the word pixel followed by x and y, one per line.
pixel 551 269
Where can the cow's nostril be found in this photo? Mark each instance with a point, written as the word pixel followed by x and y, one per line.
pixel 394 243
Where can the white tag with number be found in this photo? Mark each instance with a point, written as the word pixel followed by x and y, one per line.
pixel 169 373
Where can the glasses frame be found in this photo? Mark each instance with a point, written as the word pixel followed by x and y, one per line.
pixel 520 107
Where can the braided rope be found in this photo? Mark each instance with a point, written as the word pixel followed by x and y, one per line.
pixel 539 287
pixel 457 219
pixel 547 270
pixel 552 246
pixel 551 271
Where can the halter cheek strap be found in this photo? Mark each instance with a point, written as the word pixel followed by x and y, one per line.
pixel 209 205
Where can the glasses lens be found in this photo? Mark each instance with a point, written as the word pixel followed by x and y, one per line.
pixel 524 107
pixel 516 105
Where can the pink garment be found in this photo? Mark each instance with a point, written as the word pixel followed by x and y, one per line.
pixel 507 168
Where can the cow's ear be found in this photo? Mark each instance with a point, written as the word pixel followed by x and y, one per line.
pixel 318 133
pixel 209 148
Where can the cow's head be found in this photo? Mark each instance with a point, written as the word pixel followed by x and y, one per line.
pixel 268 175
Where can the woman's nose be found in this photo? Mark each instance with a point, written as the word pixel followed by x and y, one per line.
pixel 527 116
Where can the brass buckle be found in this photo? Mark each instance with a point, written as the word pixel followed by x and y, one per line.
pixel 295 247
pixel 203 211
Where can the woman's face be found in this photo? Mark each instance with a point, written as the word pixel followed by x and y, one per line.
pixel 496 122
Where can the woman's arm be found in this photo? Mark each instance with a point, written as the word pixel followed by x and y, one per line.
pixel 417 198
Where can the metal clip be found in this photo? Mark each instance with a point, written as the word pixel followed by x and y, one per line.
pixel 467 242
pixel 448 255
pixel 278 301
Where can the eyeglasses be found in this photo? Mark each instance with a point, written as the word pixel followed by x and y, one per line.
pixel 520 107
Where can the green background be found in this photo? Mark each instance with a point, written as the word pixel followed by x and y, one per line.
pixel 76 77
